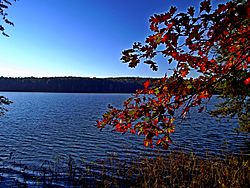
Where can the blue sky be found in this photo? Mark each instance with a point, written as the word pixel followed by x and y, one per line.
pixel 79 37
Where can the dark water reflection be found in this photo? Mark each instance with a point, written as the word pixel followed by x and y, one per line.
pixel 43 126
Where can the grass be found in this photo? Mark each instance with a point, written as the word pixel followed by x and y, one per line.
pixel 187 170
pixel 177 169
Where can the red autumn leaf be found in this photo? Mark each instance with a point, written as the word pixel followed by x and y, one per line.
pixel 174 54
pixel 155 122
pixel 164 38
pixel 200 53
pixel 98 124
pixel 169 26
pixel 118 128
pixel 146 84
pixel 170 141
pixel 202 68
pixel 247 81
pixel 158 142
pixel 153 27
pixel 191 11
pixel 203 95
pixel 132 131
pixel 187 109
pixel 221 8
pixel 184 72
pixel 205 5
pixel 128 126
pixel 165 17
pixel 154 20
pixel 150 39
pixel 121 116
pixel 172 10
pixel 212 61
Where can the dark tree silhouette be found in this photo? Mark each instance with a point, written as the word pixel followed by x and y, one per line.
pixel 4 5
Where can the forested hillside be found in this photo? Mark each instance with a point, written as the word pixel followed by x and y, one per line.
pixel 72 84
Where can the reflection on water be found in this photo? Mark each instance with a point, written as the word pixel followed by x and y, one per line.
pixel 43 126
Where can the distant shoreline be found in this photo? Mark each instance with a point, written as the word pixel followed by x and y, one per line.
pixel 62 92
pixel 72 84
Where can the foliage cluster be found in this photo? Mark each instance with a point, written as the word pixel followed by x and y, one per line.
pixel 4 101
pixel 214 43
pixel 4 5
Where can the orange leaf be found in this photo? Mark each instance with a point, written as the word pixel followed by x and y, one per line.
pixel 146 84
pixel 158 142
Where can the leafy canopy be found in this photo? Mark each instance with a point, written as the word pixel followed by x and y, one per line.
pixel 4 5
pixel 214 43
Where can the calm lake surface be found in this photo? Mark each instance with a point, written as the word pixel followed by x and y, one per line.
pixel 43 126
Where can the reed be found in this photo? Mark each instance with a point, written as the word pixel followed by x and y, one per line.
pixel 179 169
pixel 176 169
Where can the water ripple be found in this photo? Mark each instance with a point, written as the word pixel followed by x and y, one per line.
pixel 40 126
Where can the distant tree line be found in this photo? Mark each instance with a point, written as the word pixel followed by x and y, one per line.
pixel 72 84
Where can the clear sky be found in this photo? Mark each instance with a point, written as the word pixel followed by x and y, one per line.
pixel 79 37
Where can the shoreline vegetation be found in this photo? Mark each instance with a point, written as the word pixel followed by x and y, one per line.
pixel 176 169
pixel 73 84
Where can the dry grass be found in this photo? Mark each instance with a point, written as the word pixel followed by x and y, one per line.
pixel 176 169
pixel 187 170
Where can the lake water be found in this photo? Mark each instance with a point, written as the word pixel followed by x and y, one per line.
pixel 43 126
